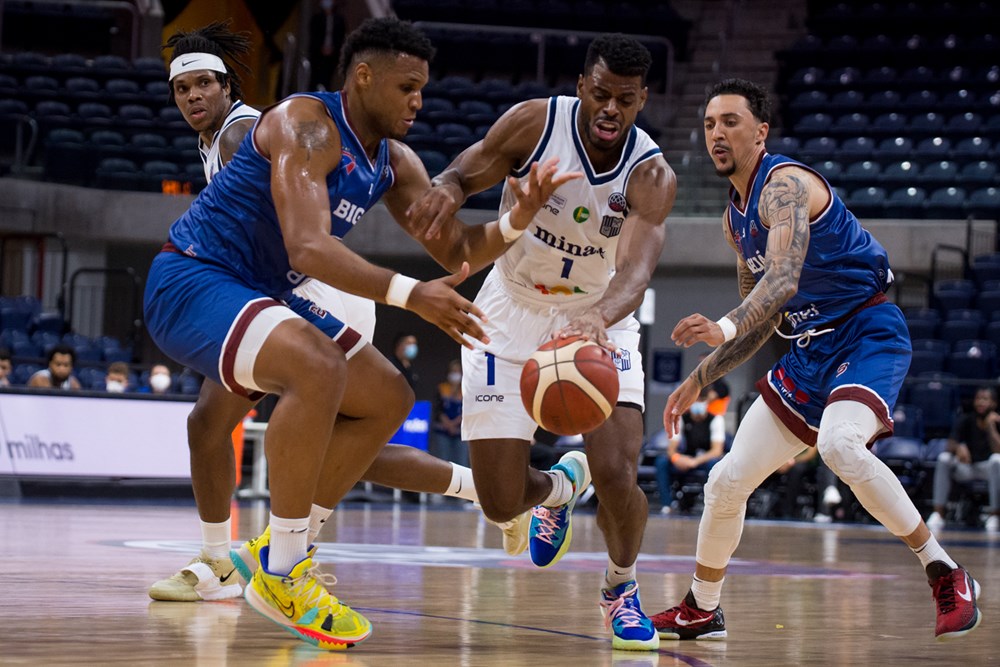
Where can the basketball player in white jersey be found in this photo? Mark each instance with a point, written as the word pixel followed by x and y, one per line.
pixel 207 92
pixel 582 267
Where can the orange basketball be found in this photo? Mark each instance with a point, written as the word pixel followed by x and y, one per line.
pixel 569 386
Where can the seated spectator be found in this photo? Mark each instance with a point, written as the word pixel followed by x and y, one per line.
pixel 159 381
pixel 5 367
pixel 59 374
pixel 703 436
pixel 795 473
pixel 973 453
pixel 116 380
pixel 448 418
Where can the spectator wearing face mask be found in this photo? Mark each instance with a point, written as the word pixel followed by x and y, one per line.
pixel 159 380
pixel 116 379
pixel 698 446
pixel 6 366
pixel 404 351
pixel 448 418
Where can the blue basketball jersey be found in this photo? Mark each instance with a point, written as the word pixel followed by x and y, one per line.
pixel 233 222
pixel 844 265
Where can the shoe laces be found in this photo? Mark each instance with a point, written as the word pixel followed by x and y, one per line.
pixel 623 609
pixel 548 523
pixel 944 593
pixel 314 586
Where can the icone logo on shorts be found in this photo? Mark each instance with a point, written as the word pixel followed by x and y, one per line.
pixel 489 398
pixel 581 214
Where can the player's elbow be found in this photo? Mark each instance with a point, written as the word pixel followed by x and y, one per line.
pixel 305 258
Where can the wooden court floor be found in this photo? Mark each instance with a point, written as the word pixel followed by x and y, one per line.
pixel 439 591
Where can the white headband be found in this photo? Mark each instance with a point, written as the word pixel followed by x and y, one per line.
pixel 190 62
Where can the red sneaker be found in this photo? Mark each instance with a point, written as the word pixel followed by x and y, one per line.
pixel 686 621
pixel 957 613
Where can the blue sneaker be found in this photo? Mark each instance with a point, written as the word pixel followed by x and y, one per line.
pixel 632 630
pixel 551 532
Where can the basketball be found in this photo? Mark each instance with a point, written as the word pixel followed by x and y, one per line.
pixel 569 386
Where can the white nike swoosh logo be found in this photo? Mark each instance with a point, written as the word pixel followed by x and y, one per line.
pixel 681 622
pixel 967 594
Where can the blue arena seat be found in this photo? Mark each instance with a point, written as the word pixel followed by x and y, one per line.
pixel 936 396
pixel 895 148
pixel 907 203
pixel 984 203
pixel 938 174
pixel 953 294
pixel 946 204
pixel 908 421
pixel 900 174
pixel 972 148
pixel 861 174
pixel 972 360
pixel 867 202
pixel 954 330
pixel 977 174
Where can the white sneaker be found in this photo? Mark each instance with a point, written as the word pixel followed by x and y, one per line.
pixel 831 496
pixel 204 578
pixel 935 522
pixel 821 518
pixel 515 533
pixel 993 524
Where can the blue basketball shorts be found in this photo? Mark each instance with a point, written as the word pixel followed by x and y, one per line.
pixel 864 359
pixel 208 319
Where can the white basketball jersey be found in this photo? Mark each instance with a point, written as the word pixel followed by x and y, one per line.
pixel 567 254
pixel 210 154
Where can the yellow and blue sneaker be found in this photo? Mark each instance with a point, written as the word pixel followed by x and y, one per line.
pixel 300 603
pixel 247 557
pixel 631 629
pixel 550 531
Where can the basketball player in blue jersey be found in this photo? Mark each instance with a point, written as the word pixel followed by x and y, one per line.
pixel 206 88
pixel 219 297
pixel 802 257
pixel 581 268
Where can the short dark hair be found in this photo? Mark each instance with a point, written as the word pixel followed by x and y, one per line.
pixel 4 354
pixel 386 35
pixel 215 38
pixel 992 390
pixel 61 348
pixel 623 55
pixel 756 96
pixel 400 336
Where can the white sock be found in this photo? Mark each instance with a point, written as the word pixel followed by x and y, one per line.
pixel 289 541
pixel 932 551
pixel 616 575
pixel 562 489
pixel 317 517
pixel 215 538
pixel 461 485
pixel 707 593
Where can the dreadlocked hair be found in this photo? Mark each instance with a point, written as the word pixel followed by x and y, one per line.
pixel 217 39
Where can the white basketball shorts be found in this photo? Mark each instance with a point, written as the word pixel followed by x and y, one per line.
pixel 491 377
pixel 355 311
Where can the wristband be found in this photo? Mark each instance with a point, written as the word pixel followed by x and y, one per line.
pixel 728 328
pixel 508 233
pixel 399 290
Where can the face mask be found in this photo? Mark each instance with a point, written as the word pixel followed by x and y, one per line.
pixel 699 409
pixel 410 351
pixel 114 387
pixel 159 382
pixel 454 378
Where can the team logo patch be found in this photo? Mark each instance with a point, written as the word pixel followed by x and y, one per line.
pixel 351 164
pixel 317 311
pixel 617 203
pixel 611 226
pixel 581 214
pixel 842 368
pixel 623 360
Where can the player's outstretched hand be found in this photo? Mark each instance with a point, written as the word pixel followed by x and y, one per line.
pixel 437 302
pixel 695 328
pixel 544 179
pixel 680 401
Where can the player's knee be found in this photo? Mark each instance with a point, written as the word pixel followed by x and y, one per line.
pixel 725 493
pixel 843 447
pixel 498 509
